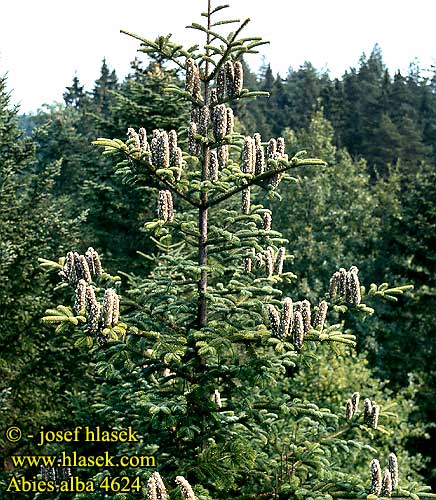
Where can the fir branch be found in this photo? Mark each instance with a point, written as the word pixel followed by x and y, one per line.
pixel 293 163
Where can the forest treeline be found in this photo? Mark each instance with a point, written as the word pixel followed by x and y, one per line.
pixel 373 206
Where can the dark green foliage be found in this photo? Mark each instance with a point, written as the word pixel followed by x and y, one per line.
pixel 35 365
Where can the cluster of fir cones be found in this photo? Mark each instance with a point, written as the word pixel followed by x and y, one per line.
pixel 156 489
pixel 164 152
pixel 295 320
pixel 253 162
pixel 371 411
pixel 79 271
pixel 229 82
pixel 268 260
pixel 346 286
pixel 382 485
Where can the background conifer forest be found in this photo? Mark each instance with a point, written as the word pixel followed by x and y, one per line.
pixel 240 266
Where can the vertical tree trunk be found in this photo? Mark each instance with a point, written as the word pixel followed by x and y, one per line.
pixel 203 211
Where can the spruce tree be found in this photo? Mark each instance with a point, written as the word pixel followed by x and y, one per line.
pixel 104 85
pixel 202 358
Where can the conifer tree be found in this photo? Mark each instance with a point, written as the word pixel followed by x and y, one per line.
pixel 104 85
pixel 202 355
pixel 35 366
pixel 75 95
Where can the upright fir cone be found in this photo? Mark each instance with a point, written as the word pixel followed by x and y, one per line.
pixel 239 78
pixel 393 469
pixel 267 221
pixel 230 121
pixel 274 319
pixel 334 284
pixel 367 410
pixel 193 146
pixel 170 205
pixel 108 307
pixel 163 151
pixel 204 120
pixel 172 144
pixel 374 416
pixel 160 487
pixel 154 148
pixel 280 260
pixel 151 488
pixel 280 146
pixel 321 315
pixel 220 122
pixel 217 398
pixel 223 155
pixel 90 261
pixel 163 206
pixel 246 201
pixel 190 72
pixel 298 331
pixel 143 139
pixel 342 283
pixel 349 410
pixel 97 263
pixel 93 261
pixel 285 326
pixel 85 273
pixel 213 165
pixel 196 91
pixel 353 288
pixel 77 267
pixel 221 84
pixel 134 137
pixel 80 296
pixel 376 477
pixel 272 149
pixel 116 310
pixel 68 272
pixel 247 165
pixel 230 78
pixel 297 306
pixel 355 398
pixel 92 309
pixel 269 261
pixel 386 490
pixel 185 488
pixel 178 163
pixel 306 314
pixel 259 166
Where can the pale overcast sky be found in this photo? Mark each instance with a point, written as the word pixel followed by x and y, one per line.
pixel 43 42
